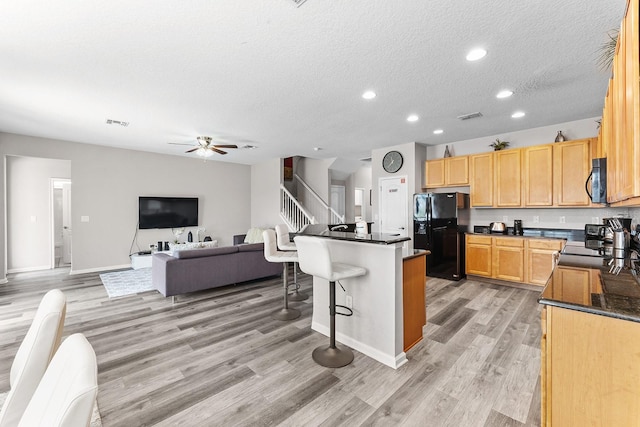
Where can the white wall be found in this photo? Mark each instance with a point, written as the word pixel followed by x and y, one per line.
pixel 29 210
pixel 265 194
pixel 107 183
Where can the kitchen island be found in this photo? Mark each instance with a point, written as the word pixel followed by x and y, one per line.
pixel 376 328
pixel 590 346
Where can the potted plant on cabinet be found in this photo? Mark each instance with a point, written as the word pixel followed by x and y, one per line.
pixel 499 145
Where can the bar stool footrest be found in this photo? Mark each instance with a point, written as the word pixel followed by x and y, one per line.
pixel 350 312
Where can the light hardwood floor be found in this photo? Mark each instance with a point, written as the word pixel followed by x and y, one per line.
pixel 216 358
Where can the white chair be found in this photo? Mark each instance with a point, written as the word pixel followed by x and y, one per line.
pixel 272 254
pixel 67 392
pixel 33 356
pixel 285 244
pixel 315 259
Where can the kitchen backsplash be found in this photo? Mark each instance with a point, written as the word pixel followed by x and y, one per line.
pixel 574 218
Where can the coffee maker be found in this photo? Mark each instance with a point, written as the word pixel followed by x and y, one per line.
pixel 517 227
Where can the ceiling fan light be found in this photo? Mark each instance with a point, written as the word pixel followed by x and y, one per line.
pixel 203 152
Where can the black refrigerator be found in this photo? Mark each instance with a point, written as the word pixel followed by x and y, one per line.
pixel 439 223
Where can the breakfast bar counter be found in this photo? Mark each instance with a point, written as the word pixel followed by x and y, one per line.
pixel 376 326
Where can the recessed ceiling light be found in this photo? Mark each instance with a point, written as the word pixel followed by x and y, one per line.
pixel 476 54
pixel 413 118
pixel 504 94
pixel 369 94
pixel 517 114
pixel 438 131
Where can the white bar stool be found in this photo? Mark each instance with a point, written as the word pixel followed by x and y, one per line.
pixel 285 244
pixel 272 254
pixel 315 259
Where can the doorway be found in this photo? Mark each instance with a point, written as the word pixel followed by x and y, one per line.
pixel 337 201
pixel 394 205
pixel 61 222
pixel 359 211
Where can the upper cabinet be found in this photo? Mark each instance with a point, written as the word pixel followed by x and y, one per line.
pixel 538 175
pixel 620 129
pixel 571 168
pixel 507 178
pixel 447 172
pixel 481 180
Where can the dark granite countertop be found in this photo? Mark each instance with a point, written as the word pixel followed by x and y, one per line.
pixel 594 284
pixel 547 233
pixel 322 230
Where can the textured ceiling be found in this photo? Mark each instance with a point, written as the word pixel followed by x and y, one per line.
pixel 287 79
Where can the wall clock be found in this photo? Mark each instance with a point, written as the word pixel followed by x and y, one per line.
pixel 392 161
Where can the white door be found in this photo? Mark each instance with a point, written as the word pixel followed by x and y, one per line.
pixel 66 222
pixel 337 201
pixel 393 205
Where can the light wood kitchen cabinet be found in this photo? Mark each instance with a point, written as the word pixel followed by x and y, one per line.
pixel 620 130
pixel 447 172
pixel 571 168
pixel 478 255
pixel 590 367
pixel 508 258
pixel 508 178
pixel 540 258
pixel 481 180
pixel 414 272
pixel 538 175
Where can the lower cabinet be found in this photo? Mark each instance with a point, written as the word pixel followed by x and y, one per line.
pixel 515 259
pixel 590 369
pixel 414 308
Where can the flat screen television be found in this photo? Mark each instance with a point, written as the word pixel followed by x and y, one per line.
pixel 167 212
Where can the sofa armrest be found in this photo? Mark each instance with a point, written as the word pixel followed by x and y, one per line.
pixel 238 239
pixel 159 271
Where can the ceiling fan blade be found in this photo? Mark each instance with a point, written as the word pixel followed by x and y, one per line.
pixel 192 150
pixel 217 151
pixel 179 143
pixel 225 146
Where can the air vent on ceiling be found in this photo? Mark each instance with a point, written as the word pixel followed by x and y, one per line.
pixel 117 122
pixel 470 116
pixel 298 2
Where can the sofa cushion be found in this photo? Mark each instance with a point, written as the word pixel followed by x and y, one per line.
pixel 198 253
pixel 251 247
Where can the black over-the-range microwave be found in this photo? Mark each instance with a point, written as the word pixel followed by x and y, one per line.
pixel 598 180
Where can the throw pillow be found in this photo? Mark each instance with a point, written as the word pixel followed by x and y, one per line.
pixel 254 235
pixel 175 247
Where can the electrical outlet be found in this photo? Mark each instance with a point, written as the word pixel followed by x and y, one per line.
pixel 505 219
pixel 349 301
pixel 562 221
pixel 536 219
pixel 595 220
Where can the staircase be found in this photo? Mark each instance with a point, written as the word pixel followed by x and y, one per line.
pixel 314 211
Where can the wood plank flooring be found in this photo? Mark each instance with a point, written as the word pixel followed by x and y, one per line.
pixel 216 358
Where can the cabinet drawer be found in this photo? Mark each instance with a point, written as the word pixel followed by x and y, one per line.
pixel 513 242
pixel 478 240
pixel 552 245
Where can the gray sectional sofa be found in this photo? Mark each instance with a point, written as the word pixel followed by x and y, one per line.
pixel 197 269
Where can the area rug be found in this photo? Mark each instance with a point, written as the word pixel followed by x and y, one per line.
pixel 127 282
pixel 96 421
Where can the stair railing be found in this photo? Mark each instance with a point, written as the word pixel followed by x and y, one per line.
pixel 292 212
pixel 318 207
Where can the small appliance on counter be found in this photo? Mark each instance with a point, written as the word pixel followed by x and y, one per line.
pixel 517 227
pixel 498 228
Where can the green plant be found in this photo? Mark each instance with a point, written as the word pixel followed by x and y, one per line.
pixel 499 145
pixel 607 51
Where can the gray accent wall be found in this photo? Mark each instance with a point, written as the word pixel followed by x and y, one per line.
pixel 106 184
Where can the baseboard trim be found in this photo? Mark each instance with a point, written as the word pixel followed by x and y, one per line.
pixel 3 281
pixel 99 269
pixel 28 269
pixel 392 361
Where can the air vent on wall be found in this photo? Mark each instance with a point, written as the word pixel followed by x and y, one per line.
pixel 366 159
pixel 298 2
pixel 117 122
pixel 470 116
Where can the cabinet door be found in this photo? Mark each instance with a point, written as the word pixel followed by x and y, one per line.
pixel 508 261
pixel 572 165
pixel 457 170
pixel 434 173
pixel 508 178
pixel 414 273
pixel 478 259
pixel 538 175
pixel 540 258
pixel 481 180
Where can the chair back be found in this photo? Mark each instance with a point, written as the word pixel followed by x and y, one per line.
pixel 67 392
pixel 33 356
pixel 270 246
pixel 282 237
pixel 314 257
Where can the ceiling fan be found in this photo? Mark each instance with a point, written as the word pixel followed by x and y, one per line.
pixel 205 147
